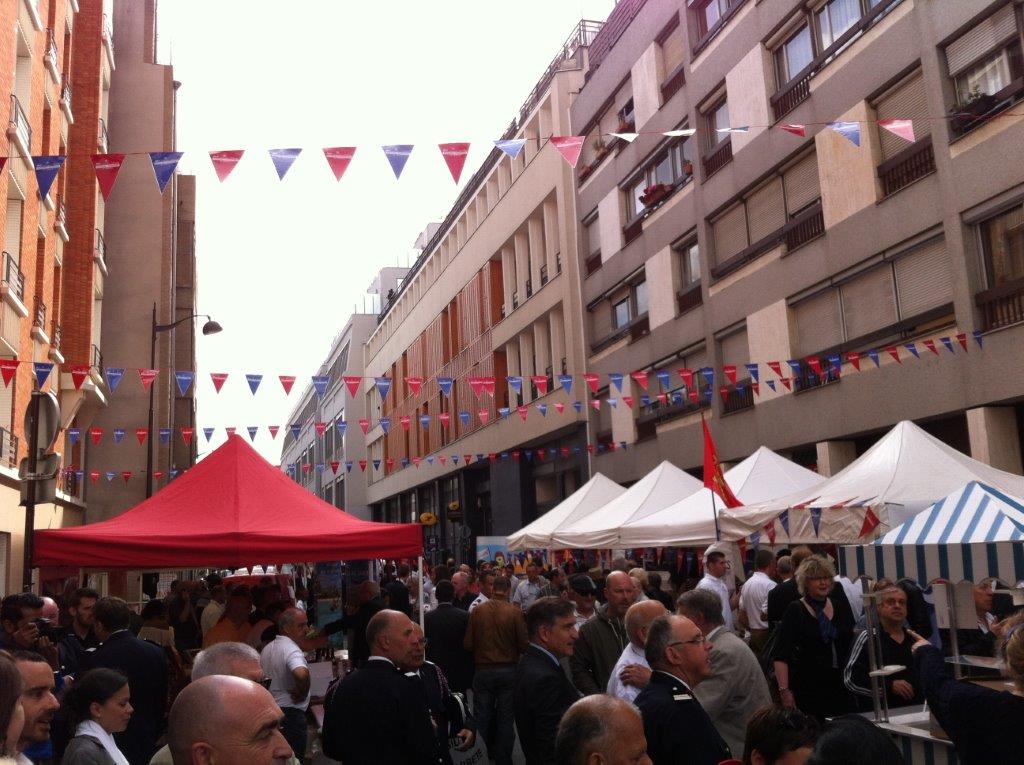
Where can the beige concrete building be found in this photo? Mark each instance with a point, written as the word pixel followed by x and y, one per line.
pixel 738 240
pixel 495 294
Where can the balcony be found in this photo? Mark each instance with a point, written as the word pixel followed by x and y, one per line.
pixel 13 279
pixel 543 274
pixel 515 300
pixel 1002 306
pixel 529 288
pixel 103 140
pixel 913 163
pixel 802 228
pixel 65 101
pixel 108 40
pixel 99 253
pixel 689 297
pixel 19 130
pixel 717 158
pixel 39 323
pixel 633 329
pixel 808 380
pixel 593 264
pixel 967 117
pixel 738 400
pixel 8 448
pixel 60 224
pixel 55 340
pixel 12 307
pixel 51 59
pixel 97 361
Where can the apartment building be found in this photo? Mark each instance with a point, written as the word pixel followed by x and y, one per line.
pixel 757 231
pixel 494 295
pixel 323 445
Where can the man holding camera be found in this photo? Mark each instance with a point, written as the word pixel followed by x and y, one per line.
pixel 22 627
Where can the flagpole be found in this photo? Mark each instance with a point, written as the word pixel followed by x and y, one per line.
pixel 714 512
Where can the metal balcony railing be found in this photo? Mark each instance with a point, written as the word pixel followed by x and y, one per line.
pixel 55 336
pixel 39 319
pixel 65 93
pixel 13 276
pixel 100 253
pixel 20 123
pixel 104 138
pixel 909 165
pixel 51 46
pixel 1003 305
pixel 8 448
pixel 717 158
pixel 97 359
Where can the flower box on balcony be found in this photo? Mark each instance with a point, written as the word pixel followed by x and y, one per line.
pixel 654 194
pixel 967 115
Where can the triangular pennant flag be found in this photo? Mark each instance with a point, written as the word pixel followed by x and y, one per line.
pixel 338 158
pixel 794 128
pixel 816 519
pixel 230 431
pixel 515 382
pixel 464 418
pixel 146 376
pixel 640 378
pixel 870 522
pixel 283 160
pixel 729 130
pixel 769 531
pixel 849 130
pixel 74 434
pixel 118 435
pixel 126 475
pixel 252 430
pixel 854 358
pixel 776 367
pixel 335 464
pixel 679 133
pixel 362 465
pixel 771 384
pixel 320 428
pixel 42 370
pixel 415 384
pixel 613 403
pixel 78 374
pixel 254 381
pixel 902 128
pixel 511 147
pixel 208 433
pixel 476 385
pixel 455 157
pixel 295 428
pixel 559 407
pixel 815 364
pixel 224 162
pixel 445 384
pixel 455 459
pixel 184 379
pixel 784 521
pixel 425 420
pixel 113 376
pixel 686 375
pixel 364 425
pixel 352 383
pixel 405 421
pixel 218 379
pixel 543 409
pixel 109 475
pixel 383 386
pixel 723 391
pixel 320 383
pixel 320 467
pixel 164 164
pixel 566 382
pixel 962 339
pixel 398 155
pixel 977 337
pixel 96 434
pixel 627 137
pixel 416 462
pixel 795 366
pixel 948 342
pixel 142 433
pixel 186 434
pixel 444 418
pixel 592 381
pixel 569 146
pixel 273 430
pixel 628 401
pixel 664 379
pixel 94 476
pixel 893 351
pixel 523 412
pixel 756 387
pixel 484 415
pixel 616 379
pixel 835 363
pixel 376 464
pixel 107 166
pixel 752 371
pixel 348 466
pixel 787 383
pixel 541 383
pixel 287 381
pixel 709 375
pixel 385 424
pixel 729 370
pixel 47 168
pixel 578 406
pixel 488 383
pixel 873 355
pixel 913 350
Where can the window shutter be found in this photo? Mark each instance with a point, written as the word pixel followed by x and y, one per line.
pixel 730 233
pixel 734 350
pixel 766 210
pixel 904 102
pixel 923 280
pixel 817 323
pixel 869 303
pixel 986 36
pixel 672 50
pixel 593 237
pixel 802 185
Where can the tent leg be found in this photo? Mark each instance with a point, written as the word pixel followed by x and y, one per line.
pixel 421 588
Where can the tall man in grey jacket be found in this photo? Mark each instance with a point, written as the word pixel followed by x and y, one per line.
pixel 603 638
pixel 737 687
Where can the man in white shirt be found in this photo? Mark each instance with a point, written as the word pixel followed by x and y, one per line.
pixel 214 609
pixel 754 599
pixel 285 664
pixel 529 589
pixel 486 580
pixel 716 566
pixel 631 672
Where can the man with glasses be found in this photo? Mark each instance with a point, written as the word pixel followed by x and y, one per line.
pixel 675 724
pixel 902 688
pixel 285 664
pixel 583 594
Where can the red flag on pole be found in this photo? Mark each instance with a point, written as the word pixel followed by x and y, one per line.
pixel 713 478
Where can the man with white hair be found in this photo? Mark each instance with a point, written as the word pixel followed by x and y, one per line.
pixel 631 672
pixel 284 663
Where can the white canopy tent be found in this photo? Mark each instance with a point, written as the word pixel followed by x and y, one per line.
pixel 975 532
pixel 902 474
pixel 691 520
pixel 655 491
pixel 595 493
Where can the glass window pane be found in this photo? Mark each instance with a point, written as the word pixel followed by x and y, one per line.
pixel 1003 239
pixel 836 17
pixel 620 313
pixel 691 264
pixel 798 53
pixel 635 192
pixel 640 293
pixel 720 118
pixel 663 171
pixel 712 14
pixel 988 76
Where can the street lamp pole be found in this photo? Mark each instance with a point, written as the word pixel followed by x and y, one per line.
pixel 209 328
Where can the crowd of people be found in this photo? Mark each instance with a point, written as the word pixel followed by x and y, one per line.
pixel 579 667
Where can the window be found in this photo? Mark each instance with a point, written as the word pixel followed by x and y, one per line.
pixel 986 60
pixel 640 297
pixel 672 45
pixel 627 118
pixel 903 162
pixel 717 143
pixel 1002 240
pixel 717 121
pixel 620 313
pixel 668 169
pixel 794 55
pixel 690 264
pixel 592 239
pixel 835 17
pixel 710 15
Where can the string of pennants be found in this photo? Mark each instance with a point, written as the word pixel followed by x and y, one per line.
pixel 454 154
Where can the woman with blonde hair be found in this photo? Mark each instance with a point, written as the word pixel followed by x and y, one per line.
pixel 813 645
pixel 12 714
pixel 984 724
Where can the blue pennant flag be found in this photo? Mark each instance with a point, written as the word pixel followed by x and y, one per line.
pixel 578 406
pixel 504 412
pixel 164 165
pixel 376 464
pixel 613 403
pixel 977 337
pixel 464 418
pixel 528 453
pixel 208 432
pixel 385 424
pixel 784 521
pixel 566 382
pixel 118 435
pixel 771 384
pixel 110 475
pixel 849 130
pixel 283 159
pixel 80 474
pixel 425 421
pixel 405 462
pixel 616 380
pixel 752 370
pixel 46 171
pixel 623 445
pixel 184 379
pixel 113 375
pixel 383 385
pixel 445 384
pixel 576 450
pixel 709 375
pixel 342 426
pixel 173 473
pixel 755 539
pixel 511 146
pixel 543 409
pixel 74 434
pixel 253 430
pixel 430 459
pixel 295 428
pixel 663 378
pixel 873 355
pixel 816 519
pixel 645 400
pixel 42 370
pixel 836 362
pixel 707 393
pixel 320 384
pixel 948 342
pixel 165 435
pixel 455 459
pixel 291 468
pixel 515 382
pixel 912 347
pixel 676 397
pixel 320 467
pixel 398 155
pixel 254 382
pixel 795 366
pixel 348 466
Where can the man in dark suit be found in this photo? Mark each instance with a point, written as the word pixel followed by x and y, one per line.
pixel 367 602
pixel 543 691
pixel 398 591
pixel 145 665
pixel 377 714
pixel 445 629
pixel 677 728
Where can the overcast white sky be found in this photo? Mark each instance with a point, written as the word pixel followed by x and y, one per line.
pixel 282 265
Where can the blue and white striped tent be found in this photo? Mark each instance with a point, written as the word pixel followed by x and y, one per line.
pixel 975 532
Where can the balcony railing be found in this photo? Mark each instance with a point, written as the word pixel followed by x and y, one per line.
pixel 55 336
pixel 543 274
pixel 515 300
pixel 689 297
pixel 39 319
pixel 8 448
pixel 51 48
pixel 1003 305
pixel 65 94
pixel 967 117
pixel 736 400
pixel 104 138
pixel 108 34
pixel 13 276
pixel 795 93
pixel 558 262
pixel 529 288
pixel 20 124
pixel 593 264
pixel 807 379
pixel 717 158
pixel 100 253
pixel 97 360
pixel 803 227
pixel 911 164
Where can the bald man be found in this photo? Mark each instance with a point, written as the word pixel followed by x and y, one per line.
pixel 222 720
pixel 631 672
pixel 603 639
pixel 601 729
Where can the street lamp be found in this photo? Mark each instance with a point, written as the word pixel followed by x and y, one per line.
pixel 209 328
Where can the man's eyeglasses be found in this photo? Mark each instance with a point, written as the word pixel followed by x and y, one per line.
pixel 265 682
pixel 699 640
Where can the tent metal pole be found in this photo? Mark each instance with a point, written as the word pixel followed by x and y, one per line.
pixel 421 588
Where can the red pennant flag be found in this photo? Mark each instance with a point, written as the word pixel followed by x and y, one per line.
pixel 592 381
pixel 686 375
pixel 569 146
pixel 126 475
pixel 641 379
pixel 273 430
pixel 854 358
pixel 455 157
pixel 590 448
pixel 442 458
pixel 930 345
pixel 141 433
pixel 78 374
pixel 795 129
pixel 628 401
pixel 334 466
pixel 693 396
pixel 364 425
pixel 596 403
pixel 523 411
pixel 960 338
pixel 445 418
pixel 484 416
pixel 776 367
pixel 186 434
pixel 724 393
pixel 338 158
pixel 467 458
pixel 147 376
pixel 362 465
pixel 786 382
pixel 287 381
pixel 405 420
pixel 94 476
pixel 902 128
pixel 9 366
pixel 541 383
pixel 559 407
pixel 224 162
pixel 662 398
pixel 352 383
pixel 870 522
pixel 730 372
pixel 893 351
pixel 564 451
pixel 756 387
pixel 107 166
pixel 158 474
pixel 96 434
pixel 477 384
pixel 815 364
pixel 218 379
pixel 390 463
pixel 414 383
pixel 714 479
pixel 320 427
pixel 416 461
pixel 488 383
pixel 769 530
pixel 307 467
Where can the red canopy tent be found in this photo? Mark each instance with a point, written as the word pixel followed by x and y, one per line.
pixel 232 509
